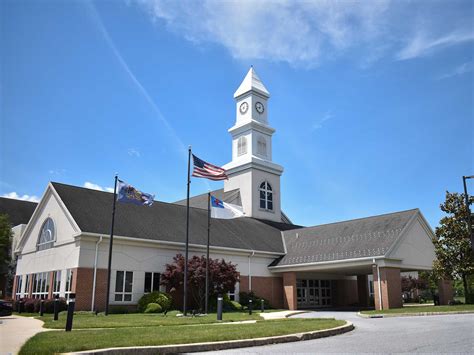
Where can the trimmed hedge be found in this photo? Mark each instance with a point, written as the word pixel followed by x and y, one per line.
pixel 32 305
pixel 244 298
pixel 161 298
pixel 153 308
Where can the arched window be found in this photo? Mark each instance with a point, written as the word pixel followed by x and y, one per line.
pixel 262 146
pixel 241 146
pixel 266 196
pixel 46 235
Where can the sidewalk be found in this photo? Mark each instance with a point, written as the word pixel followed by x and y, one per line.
pixel 15 331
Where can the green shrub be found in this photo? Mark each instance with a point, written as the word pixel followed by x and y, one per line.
pixel 161 298
pixel 244 298
pixel 153 308
pixel 236 305
pixel 119 310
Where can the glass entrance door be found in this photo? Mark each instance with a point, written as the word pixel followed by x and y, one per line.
pixel 313 293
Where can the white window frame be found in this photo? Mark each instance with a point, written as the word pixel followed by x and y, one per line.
pixel 43 245
pixel 262 146
pixel 121 295
pixel 57 282
pixel 152 286
pixel 68 283
pixel 40 285
pixel 241 146
pixel 19 286
pixel 268 191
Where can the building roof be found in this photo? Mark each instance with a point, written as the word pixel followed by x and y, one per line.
pixel 19 211
pixel 251 82
pixel 200 201
pixel 92 210
pixel 357 238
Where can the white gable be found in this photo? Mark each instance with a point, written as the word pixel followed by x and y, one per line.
pixel 415 247
pixel 63 253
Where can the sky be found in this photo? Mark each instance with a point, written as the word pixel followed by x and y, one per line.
pixel 372 101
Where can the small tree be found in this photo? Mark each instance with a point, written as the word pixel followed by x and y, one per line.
pixel 454 258
pixel 222 276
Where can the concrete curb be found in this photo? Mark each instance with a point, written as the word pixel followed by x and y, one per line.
pixel 223 345
pixel 418 314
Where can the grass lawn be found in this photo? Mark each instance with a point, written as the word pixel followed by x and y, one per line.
pixel 414 309
pixel 60 341
pixel 84 321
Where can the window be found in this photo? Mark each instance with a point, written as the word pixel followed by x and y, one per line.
pixel 262 146
pixel 241 146
pixel 40 285
pixel 266 196
pixel 152 281
pixel 26 292
pixel 56 282
pixel 234 293
pixel 46 236
pixel 18 291
pixel 123 286
pixel 69 278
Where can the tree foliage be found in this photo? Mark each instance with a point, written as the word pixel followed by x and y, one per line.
pixel 222 276
pixel 5 242
pixel 454 258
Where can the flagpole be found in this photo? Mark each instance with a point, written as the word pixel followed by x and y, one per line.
pixel 207 254
pixel 185 286
pixel 110 248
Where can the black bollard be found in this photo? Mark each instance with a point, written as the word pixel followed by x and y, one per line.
pixel 262 305
pixel 41 307
pixel 20 306
pixel 70 311
pixel 56 307
pixel 250 307
pixel 219 307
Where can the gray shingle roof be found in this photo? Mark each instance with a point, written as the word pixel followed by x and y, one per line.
pixel 358 238
pixel 200 201
pixel 92 210
pixel 19 211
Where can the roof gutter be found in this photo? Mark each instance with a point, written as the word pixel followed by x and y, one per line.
pixel 331 262
pixel 199 246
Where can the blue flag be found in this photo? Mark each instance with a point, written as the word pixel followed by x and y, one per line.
pixel 128 194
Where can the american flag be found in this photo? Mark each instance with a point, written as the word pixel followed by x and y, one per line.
pixel 208 171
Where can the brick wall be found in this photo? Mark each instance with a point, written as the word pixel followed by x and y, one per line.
pixel 446 291
pixel 270 288
pixel 391 287
pixel 289 290
pixel 344 293
pixel 82 285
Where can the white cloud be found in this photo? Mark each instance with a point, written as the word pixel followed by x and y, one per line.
pixel 134 152
pixel 93 186
pixel 15 196
pixel 422 44
pixel 459 70
pixel 305 33
pixel 319 122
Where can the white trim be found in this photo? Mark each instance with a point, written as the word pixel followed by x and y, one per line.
pixel 95 273
pixel 402 233
pixel 163 242
pixel 331 262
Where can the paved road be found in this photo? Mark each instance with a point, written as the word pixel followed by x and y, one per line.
pixel 15 331
pixel 445 334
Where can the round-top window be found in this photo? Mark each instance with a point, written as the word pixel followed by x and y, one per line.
pixel 46 236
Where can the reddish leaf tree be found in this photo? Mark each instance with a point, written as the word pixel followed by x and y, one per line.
pixel 222 276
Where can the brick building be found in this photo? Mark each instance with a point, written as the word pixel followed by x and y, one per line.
pixel 64 247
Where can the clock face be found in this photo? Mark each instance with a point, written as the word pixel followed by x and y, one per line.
pixel 244 107
pixel 259 107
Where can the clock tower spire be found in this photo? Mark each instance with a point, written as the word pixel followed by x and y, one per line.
pixel 252 170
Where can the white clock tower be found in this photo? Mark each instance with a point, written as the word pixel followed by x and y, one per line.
pixel 251 169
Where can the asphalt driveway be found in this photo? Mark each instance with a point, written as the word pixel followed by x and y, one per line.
pixel 446 334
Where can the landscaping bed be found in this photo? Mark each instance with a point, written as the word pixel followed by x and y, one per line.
pixel 423 309
pixel 88 339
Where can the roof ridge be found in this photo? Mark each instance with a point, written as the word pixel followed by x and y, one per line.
pixel 357 219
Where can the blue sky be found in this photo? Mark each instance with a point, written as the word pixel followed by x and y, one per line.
pixel 372 101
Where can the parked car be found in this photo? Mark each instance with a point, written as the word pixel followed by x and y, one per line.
pixel 5 308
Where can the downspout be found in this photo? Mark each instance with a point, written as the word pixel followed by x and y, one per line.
pixel 95 273
pixel 250 272
pixel 379 284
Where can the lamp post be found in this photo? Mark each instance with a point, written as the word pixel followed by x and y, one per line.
pixel 469 216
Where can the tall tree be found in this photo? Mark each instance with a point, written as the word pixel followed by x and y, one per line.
pixel 5 252
pixel 453 247
pixel 222 276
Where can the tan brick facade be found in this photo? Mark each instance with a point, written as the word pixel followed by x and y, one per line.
pixel 270 288
pixel 391 287
pixel 289 289
pixel 344 293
